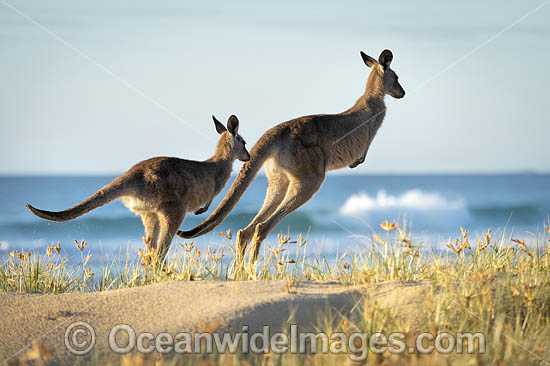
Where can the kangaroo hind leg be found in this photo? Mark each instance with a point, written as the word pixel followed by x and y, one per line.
pixel 276 190
pixel 152 230
pixel 170 219
pixel 299 192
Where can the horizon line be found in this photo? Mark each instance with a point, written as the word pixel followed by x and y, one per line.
pixel 330 173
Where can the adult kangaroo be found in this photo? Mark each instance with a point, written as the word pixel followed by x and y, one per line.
pixel 297 154
pixel 161 190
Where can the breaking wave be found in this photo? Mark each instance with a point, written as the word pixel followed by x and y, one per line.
pixel 414 199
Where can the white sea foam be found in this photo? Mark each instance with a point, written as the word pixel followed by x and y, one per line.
pixel 414 199
pixel 4 245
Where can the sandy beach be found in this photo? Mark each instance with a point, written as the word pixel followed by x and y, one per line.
pixel 181 307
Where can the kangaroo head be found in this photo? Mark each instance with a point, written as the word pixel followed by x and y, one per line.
pixel 390 80
pixel 237 143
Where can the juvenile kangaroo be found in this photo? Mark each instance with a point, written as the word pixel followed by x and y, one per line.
pixel 297 154
pixel 162 189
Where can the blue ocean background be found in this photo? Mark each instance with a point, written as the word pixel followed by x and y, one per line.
pixel 338 218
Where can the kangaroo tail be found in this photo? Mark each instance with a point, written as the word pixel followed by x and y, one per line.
pixel 110 192
pixel 258 155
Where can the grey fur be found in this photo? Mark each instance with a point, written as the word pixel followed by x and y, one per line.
pixel 163 189
pixel 297 154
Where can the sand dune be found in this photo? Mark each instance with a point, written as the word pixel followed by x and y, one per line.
pixel 181 307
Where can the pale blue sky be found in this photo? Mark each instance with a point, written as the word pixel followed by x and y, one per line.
pixel 268 63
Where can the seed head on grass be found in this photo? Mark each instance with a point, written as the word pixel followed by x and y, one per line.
pixel 389 227
pixel 228 235
pixel 80 246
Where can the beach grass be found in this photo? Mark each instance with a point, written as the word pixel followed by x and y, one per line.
pixel 495 285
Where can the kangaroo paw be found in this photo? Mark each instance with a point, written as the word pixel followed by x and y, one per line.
pixel 201 211
pixel 357 162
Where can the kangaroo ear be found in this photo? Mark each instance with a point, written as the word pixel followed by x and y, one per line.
pixel 219 126
pixel 369 61
pixel 385 59
pixel 233 125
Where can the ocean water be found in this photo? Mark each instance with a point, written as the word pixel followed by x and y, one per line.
pixel 339 217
